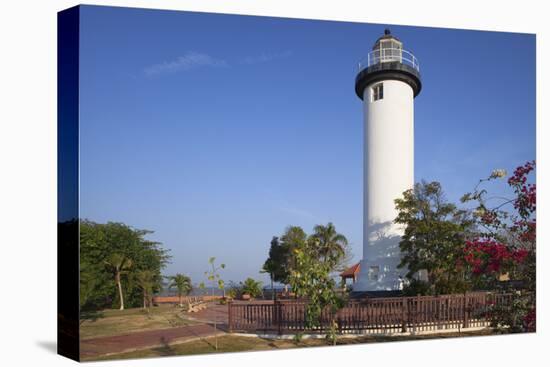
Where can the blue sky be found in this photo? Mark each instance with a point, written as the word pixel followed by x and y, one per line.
pixel 218 131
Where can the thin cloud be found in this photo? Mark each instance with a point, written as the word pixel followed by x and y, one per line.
pixel 279 204
pixel 265 57
pixel 189 61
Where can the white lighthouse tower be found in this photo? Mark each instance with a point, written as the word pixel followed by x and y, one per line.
pixel 387 81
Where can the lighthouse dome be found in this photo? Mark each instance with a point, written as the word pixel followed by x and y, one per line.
pixel 388 40
pixel 388 61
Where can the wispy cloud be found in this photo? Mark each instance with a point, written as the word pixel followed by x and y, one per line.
pixel 275 199
pixel 191 60
pixel 265 57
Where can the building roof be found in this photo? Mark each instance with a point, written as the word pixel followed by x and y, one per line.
pixel 351 271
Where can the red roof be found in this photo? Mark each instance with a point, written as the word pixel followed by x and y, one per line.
pixel 351 271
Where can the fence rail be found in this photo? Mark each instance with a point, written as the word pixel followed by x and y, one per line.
pixel 376 315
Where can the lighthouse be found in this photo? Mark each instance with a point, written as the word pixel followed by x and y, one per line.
pixel 387 81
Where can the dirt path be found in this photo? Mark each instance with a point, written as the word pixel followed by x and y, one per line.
pixel 90 348
pixel 214 312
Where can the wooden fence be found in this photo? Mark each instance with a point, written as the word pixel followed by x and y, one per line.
pixel 375 315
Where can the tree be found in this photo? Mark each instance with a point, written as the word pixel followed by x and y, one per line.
pixel 332 246
pixel 252 287
pixel 98 283
pixel 182 284
pixel 281 260
pixel 235 290
pixel 119 265
pixel 275 263
pixel 293 238
pixel 310 278
pixel 145 280
pixel 433 239
pixel 306 263
pixel 506 244
pixel 213 276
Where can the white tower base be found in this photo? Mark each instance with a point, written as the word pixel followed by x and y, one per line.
pixel 387 87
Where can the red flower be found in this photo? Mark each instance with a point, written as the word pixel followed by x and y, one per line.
pixel 530 320
pixel 486 256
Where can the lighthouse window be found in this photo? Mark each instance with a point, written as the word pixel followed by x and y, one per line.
pixel 377 92
pixel 373 272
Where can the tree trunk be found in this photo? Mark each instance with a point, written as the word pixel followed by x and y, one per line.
pixel 119 285
pixel 181 305
pixel 272 289
pixel 144 299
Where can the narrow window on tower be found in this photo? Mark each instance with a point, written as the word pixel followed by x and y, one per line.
pixel 377 92
pixel 373 272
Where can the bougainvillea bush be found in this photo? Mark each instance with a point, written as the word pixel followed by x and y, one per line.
pixel 505 247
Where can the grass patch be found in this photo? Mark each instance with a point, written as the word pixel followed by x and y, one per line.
pixel 235 343
pixel 116 322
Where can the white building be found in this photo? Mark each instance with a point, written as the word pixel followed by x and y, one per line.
pixel 387 81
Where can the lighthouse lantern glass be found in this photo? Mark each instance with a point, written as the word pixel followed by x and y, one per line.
pixel 388 50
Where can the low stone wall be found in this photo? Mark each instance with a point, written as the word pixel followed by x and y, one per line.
pixel 185 299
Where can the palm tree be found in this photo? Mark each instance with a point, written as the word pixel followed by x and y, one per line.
pixel 252 287
pixel 146 281
pixel 119 264
pixel 332 246
pixel 182 283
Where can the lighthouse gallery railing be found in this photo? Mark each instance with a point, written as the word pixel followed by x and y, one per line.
pixel 389 55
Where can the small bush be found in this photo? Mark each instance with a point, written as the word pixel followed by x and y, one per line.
pixel 417 288
pixel 297 338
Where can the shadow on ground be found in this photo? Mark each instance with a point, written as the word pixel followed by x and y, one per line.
pixel 90 316
pixel 165 349
pixel 48 345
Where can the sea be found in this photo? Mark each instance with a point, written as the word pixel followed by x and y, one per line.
pixel 207 291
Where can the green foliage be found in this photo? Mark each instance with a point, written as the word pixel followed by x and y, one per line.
pixel 416 287
pixel 297 338
pixel 306 263
pixel 275 265
pixel 103 248
pixel 182 284
pixel 235 290
pixel 508 229
pixel 310 279
pixel 252 287
pixel 433 240
pixel 330 246
pixel 118 264
pixel 213 275
pixel 145 280
pixel 332 333
pixel 280 260
pixel 511 317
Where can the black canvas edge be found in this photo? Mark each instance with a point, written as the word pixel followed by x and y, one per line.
pixel 68 304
